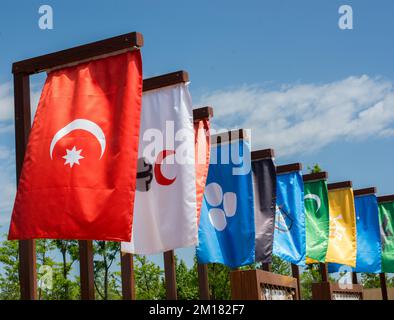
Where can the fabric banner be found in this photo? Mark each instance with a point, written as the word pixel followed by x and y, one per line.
pixel 368 257
pixel 342 246
pixel 289 236
pixel 264 185
pixel 226 230
pixel 79 174
pixel 386 219
pixel 165 213
pixel 317 220
pixel 202 155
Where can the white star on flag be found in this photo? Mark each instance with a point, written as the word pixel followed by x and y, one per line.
pixel 73 156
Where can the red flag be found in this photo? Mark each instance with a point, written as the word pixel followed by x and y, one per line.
pixel 79 172
pixel 202 143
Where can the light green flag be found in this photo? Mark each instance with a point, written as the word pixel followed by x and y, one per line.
pixel 386 219
pixel 317 222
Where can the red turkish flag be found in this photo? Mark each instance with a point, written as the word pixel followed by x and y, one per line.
pixel 79 172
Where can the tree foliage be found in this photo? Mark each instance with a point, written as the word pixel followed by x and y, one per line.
pixel 9 277
pixel 148 279
pixel 61 256
pixel 105 282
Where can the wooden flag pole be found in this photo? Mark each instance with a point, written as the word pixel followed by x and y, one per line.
pixel 324 272
pixel 203 281
pixel 294 167
pixel 266 267
pixel 295 272
pixel 22 71
pixel 354 278
pixel 382 276
pixel 86 269
pixel 170 275
pixel 27 248
pixel 383 286
pixel 127 275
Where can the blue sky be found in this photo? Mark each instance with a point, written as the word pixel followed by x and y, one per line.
pixel 315 93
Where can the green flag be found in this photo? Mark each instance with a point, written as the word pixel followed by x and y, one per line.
pixel 317 220
pixel 386 219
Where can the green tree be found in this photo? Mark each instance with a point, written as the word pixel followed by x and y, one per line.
pixel 315 168
pixel 280 266
pixel 104 280
pixel 45 267
pixel 310 274
pixel 370 280
pixel 148 279
pixel 9 277
pixel 187 281
pixel 69 251
pixel 219 281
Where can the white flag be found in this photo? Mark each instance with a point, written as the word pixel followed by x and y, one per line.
pixel 165 215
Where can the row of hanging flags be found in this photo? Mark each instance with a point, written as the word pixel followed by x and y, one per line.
pixel 93 170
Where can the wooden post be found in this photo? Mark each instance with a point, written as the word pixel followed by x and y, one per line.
pixel 86 269
pixel 203 281
pixel 27 248
pixel 170 275
pixel 383 286
pixel 266 267
pixel 127 274
pixel 295 271
pixel 323 272
pixel 354 278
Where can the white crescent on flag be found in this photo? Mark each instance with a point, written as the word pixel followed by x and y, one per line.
pixel 81 124
pixel 314 197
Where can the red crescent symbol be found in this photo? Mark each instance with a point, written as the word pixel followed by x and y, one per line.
pixel 160 178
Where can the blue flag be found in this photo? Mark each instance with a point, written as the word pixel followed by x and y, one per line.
pixel 289 236
pixel 368 236
pixel 226 231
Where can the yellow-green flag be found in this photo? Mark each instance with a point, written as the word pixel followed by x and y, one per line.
pixel 342 243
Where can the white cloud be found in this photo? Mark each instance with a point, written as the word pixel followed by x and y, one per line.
pixel 306 117
pixel 7 184
pixel 5 154
pixel 7 196
pixel 6 128
pixel 7 100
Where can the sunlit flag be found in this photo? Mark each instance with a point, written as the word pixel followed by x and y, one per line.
pixel 79 173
